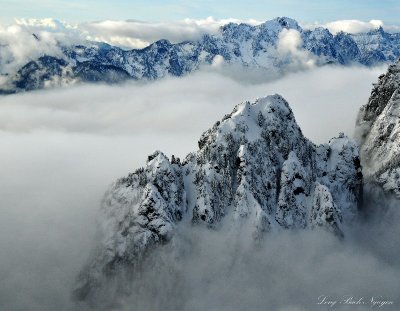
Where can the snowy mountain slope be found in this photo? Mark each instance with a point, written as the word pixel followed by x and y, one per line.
pixel 254 165
pixel 378 127
pixel 280 45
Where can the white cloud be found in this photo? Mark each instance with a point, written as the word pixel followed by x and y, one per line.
pixel 137 34
pixel 217 61
pixel 49 24
pixel 29 39
pixel 224 270
pixel 132 33
pixel 187 106
pixel 353 26
pixel 290 45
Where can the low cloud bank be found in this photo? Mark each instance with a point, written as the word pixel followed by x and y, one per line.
pixel 225 270
pixel 138 34
pixel 325 98
pixel 353 26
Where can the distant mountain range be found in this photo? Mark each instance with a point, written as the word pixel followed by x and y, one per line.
pixel 278 45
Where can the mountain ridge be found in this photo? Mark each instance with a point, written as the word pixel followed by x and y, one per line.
pixel 278 45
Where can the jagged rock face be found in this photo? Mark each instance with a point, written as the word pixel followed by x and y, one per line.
pixel 292 206
pixel 324 210
pixel 378 127
pixel 138 211
pixel 240 150
pixel 239 44
pixel 254 165
pixel 97 72
pixel 46 70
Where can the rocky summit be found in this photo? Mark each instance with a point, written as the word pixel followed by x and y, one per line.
pixel 254 165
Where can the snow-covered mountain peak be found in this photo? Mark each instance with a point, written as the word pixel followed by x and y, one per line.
pixel 236 31
pixel 276 25
pixel 288 23
pixel 157 160
pixel 254 165
pixel 248 120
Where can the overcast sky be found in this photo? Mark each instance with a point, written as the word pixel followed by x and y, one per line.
pixel 169 10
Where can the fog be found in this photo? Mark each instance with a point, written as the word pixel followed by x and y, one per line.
pixel 326 99
pixel 225 270
pixel 61 148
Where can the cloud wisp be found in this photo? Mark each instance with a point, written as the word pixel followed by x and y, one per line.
pixel 356 26
pixel 225 270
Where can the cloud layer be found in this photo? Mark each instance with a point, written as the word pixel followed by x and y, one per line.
pixel 225 270
pixel 139 34
pixel 354 26
pixel 175 105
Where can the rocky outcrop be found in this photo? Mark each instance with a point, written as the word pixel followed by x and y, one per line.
pixel 378 129
pixel 138 211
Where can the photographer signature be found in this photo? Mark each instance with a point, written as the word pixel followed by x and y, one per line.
pixel 373 301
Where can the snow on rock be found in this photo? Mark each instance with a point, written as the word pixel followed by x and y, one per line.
pixel 378 127
pixel 254 164
pixel 324 211
pixel 137 211
pixel 292 201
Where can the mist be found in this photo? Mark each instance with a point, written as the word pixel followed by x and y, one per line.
pixel 61 148
pixel 201 269
pixel 326 99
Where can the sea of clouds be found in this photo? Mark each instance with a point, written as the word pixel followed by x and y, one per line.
pixel 61 148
